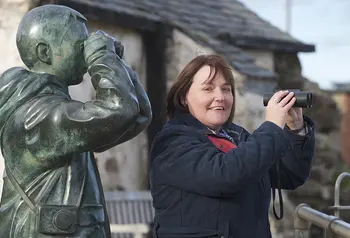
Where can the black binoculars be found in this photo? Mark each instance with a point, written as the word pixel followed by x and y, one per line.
pixel 303 99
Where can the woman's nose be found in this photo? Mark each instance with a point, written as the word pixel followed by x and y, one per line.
pixel 219 95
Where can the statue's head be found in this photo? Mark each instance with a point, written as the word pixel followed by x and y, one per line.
pixel 50 39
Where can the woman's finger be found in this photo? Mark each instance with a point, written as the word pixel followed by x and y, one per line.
pixel 290 104
pixel 286 99
pixel 276 98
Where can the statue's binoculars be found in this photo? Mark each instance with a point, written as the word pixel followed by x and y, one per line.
pixel 303 99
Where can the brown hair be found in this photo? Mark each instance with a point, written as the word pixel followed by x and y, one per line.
pixel 179 89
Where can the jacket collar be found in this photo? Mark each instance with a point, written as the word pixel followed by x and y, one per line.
pixel 185 118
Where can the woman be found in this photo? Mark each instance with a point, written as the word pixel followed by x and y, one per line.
pixel 209 177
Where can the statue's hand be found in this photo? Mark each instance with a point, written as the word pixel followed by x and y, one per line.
pixel 119 48
pixel 98 42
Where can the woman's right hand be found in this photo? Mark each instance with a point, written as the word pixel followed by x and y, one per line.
pixel 278 107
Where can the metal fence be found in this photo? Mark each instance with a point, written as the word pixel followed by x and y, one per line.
pixel 130 213
pixel 333 226
pixel 136 230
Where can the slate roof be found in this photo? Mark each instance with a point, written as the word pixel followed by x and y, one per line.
pixel 224 25
pixel 227 20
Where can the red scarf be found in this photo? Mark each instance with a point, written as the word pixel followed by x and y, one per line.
pixel 221 143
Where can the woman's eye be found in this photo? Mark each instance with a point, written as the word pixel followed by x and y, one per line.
pixel 227 89
pixel 207 89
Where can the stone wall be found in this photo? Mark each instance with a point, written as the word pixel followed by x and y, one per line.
pixel 263 58
pixel 345 129
pixel 288 67
pixel 342 100
pixel 251 94
pixel 318 191
pixel 181 49
pixel 339 99
pixel 252 98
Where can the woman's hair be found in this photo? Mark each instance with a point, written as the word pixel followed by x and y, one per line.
pixel 179 89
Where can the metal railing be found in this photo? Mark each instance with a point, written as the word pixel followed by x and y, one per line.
pixel 337 207
pixel 305 216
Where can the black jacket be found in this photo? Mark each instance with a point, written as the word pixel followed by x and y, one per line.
pixel 199 191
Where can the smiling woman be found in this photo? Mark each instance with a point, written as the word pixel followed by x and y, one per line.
pixel 205 88
pixel 210 100
pixel 209 177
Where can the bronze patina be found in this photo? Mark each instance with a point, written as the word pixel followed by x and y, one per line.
pixel 52 186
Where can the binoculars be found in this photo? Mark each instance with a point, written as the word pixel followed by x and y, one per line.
pixel 303 98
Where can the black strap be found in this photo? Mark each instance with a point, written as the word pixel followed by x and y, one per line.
pixel 306 127
pixel 154 229
pixel 278 163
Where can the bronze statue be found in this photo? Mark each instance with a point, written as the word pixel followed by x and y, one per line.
pixel 52 186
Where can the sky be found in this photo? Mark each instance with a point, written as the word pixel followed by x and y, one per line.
pixel 324 23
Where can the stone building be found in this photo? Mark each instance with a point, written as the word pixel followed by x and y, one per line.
pixel 341 95
pixel 160 37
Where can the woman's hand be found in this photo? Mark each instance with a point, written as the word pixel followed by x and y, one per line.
pixel 295 118
pixel 279 109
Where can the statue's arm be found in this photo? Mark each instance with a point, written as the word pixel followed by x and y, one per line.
pixel 119 113
pixel 144 117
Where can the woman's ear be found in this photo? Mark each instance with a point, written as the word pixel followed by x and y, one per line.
pixel 184 102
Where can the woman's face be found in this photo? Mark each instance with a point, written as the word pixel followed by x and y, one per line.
pixel 210 101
